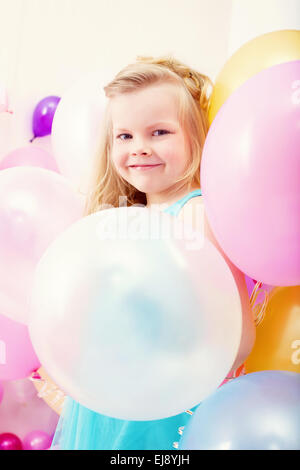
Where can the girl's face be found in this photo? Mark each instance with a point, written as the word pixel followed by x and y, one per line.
pixel 150 149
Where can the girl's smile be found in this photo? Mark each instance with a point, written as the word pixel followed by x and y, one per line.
pixel 144 167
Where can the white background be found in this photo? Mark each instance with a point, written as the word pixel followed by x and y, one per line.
pixel 46 45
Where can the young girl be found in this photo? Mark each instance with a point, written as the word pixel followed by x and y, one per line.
pixel 151 144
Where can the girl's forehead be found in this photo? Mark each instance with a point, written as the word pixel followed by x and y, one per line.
pixel 155 101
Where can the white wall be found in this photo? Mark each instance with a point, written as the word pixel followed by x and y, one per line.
pixel 251 18
pixel 47 44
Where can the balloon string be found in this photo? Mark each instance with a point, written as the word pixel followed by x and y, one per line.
pixel 255 293
pixel 48 389
pixel 260 315
pixel 258 310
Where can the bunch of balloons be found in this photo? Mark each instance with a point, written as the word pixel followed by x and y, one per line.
pixel 250 166
pixel 37 203
pixel 35 440
pixel 92 298
pixel 250 182
pixel 74 122
pixel 26 422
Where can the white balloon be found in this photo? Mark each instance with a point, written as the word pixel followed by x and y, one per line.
pixel 76 124
pixel 132 317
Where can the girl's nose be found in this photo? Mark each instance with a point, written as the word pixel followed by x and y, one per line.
pixel 144 152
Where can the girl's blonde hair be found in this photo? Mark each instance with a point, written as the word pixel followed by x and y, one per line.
pixel 193 91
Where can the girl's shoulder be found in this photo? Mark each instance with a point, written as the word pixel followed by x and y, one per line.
pixel 192 213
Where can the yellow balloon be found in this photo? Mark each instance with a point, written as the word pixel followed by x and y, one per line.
pixel 256 55
pixel 48 390
pixel 277 345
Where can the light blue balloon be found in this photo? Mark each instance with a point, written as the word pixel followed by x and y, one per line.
pixel 258 411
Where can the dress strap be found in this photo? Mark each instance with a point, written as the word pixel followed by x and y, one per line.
pixel 175 208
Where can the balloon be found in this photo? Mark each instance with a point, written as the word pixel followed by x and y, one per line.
pixel 17 356
pixel 29 156
pixel 35 206
pixel 261 53
pixel 48 390
pixel 259 411
pixel 37 440
pixel 250 284
pixel 259 296
pixel 248 325
pixel 1 392
pixel 250 176
pixel 43 116
pixel 76 127
pixel 105 316
pixel 9 441
pixel 277 343
pixel 233 375
pixel 22 411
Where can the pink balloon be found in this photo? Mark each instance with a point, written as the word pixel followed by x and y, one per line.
pixel 250 283
pixel 250 176
pixel 37 440
pixel 35 206
pixel 29 156
pixel 248 326
pixel 17 356
pixel 22 410
pixel 9 441
pixel 1 392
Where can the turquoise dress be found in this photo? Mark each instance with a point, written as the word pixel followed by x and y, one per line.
pixel 80 428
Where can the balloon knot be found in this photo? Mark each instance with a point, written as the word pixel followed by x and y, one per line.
pixel 35 376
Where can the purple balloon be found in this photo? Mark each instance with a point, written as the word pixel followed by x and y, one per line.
pixel 257 411
pixel 43 116
pixel 37 440
pixel 9 441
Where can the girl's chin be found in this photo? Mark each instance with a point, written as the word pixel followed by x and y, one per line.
pixel 148 189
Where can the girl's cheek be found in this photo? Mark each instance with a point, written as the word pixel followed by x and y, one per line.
pixel 121 162
pixel 116 158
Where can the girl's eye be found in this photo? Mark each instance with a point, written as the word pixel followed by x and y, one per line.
pixel 162 130
pixel 158 130
pixel 119 136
